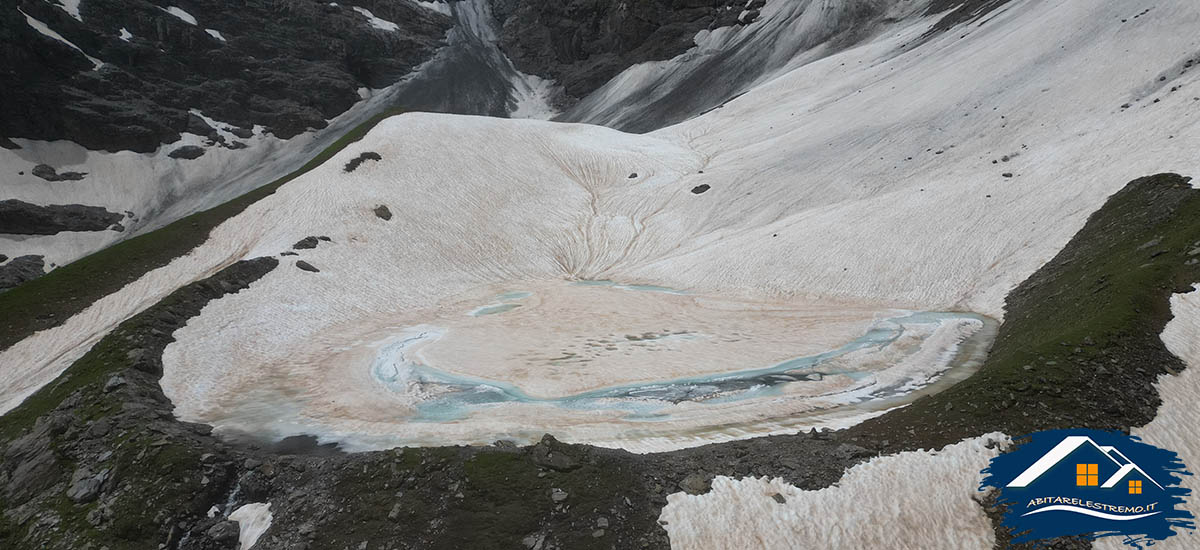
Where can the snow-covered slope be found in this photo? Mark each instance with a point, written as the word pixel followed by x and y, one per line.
pixel 928 178
pixel 1178 422
pixel 912 500
pixel 728 61
pixel 154 189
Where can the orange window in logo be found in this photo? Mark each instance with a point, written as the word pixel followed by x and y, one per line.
pixel 1087 475
pixel 1135 487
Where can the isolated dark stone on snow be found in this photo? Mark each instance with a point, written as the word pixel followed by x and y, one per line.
pixel 187 152
pixel 700 188
pixel 22 218
pixel 383 212
pixel 306 243
pixel 49 173
pixel 633 175
pixel 306 266
pixel 354 162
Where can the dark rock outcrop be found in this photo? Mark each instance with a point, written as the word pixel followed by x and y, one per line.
pixel 383 212
pixel 22 218
pixel 308 242
pixel 700 188
pixel 356 161
pixel 20 270
pixel 187 152
pixel 49 173
pixel 305 266
pixel 581 44
pixel 288 66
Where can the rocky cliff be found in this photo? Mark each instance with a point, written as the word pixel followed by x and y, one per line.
pixel 124 74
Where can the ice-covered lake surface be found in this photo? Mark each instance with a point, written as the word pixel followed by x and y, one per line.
pixel 641 367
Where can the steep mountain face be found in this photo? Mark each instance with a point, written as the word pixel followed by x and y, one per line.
pixel 581 44
pixel 641 66
pixel 123 74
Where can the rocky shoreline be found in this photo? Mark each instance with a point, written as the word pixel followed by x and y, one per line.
pixel 97 460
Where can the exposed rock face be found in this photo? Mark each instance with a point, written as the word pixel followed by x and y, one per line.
pixel 187 152
pixel 21 218
pixel 286 65
pixel 49 173
pixel 21 269
pixel 581 44
pixel 356 161
pixel 308 242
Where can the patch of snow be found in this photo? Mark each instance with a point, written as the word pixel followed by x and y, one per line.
pixel 440 7
pixel 376 22
pixel 1176 427
pixel 71 7
pixel 215 34
pixel 253 520
pixel 533 96
pixel 178 12
pixel 125 34
pixel 47 31
pixel 861 511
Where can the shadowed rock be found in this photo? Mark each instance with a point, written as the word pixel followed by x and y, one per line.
pixel 187 152
pixel 49 173
pixel 22 218
pixel 356 161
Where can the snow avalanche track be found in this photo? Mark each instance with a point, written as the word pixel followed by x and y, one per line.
pixel 887 177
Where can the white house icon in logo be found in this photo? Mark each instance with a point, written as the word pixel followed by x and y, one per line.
pixel 1069 445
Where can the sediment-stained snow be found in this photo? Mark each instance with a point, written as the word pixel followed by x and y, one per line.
pixel 1177 425
pixel 913 500
pixel 864 177
pixel 253 520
